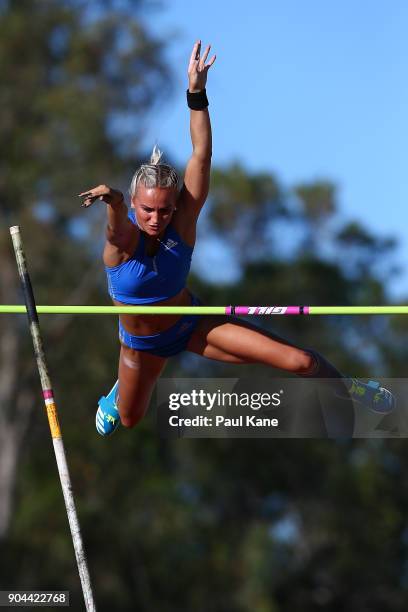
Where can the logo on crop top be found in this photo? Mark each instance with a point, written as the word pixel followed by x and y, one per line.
pixel 169 244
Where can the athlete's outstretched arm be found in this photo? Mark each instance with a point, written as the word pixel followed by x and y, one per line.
pixel 197 174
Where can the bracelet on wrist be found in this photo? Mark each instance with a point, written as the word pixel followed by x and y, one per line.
pixel 197 100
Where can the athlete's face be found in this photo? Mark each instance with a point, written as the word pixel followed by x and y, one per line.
pixel 154 207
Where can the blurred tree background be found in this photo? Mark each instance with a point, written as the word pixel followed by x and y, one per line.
pixel 223 525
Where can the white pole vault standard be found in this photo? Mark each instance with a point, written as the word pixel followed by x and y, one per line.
pixel 53 419
pixel 210 310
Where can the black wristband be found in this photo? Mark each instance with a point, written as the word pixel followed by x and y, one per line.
pixel 197 100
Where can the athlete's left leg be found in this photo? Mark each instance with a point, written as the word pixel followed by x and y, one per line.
pixel 238 341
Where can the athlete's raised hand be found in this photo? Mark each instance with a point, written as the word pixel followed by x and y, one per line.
pixel 198 69
pixel 102 192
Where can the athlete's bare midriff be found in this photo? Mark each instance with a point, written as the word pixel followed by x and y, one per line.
pixel 146 325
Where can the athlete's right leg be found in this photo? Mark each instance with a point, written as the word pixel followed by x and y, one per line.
pixel 238 341
pixel 138 373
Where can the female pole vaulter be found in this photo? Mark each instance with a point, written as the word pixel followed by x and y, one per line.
pixel 147 258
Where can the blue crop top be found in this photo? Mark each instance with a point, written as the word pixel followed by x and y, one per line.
pixel 143 279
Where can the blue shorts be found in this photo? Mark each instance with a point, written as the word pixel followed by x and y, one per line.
pixel 167 343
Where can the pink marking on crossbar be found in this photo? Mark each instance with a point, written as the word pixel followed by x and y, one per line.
pixel 292 310
pixel 297 310
pixel 48 394
pixel 268 310
pixel 241 310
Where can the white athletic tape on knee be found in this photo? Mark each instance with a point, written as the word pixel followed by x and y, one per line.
pixel 134 365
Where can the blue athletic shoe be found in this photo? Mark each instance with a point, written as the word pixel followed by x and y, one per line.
pixel 107 416
pixel 372 395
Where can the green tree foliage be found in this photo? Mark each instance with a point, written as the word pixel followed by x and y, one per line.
pixel 245 206
pixel 69 72
pixel 317 206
